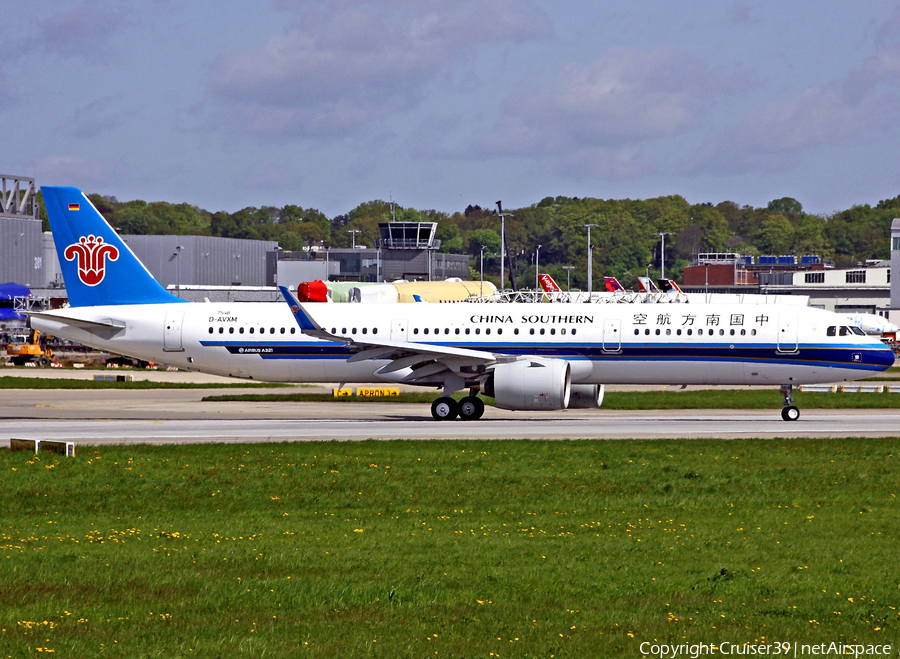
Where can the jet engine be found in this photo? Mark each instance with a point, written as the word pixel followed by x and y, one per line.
pixel 585 396
pixel 531 384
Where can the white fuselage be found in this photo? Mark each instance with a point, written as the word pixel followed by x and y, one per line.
pixel 604 343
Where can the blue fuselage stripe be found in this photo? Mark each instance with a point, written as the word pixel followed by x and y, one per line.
pixel 848 356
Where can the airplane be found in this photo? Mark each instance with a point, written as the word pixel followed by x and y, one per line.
pixel 448 290
pixel 647 285
pixel 8 294
pixel 525 356
pixel 873 324
pixel 548 284
pixel 669 286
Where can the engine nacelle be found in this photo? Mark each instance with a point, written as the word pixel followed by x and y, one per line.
pixel 585 396
pixel 531 384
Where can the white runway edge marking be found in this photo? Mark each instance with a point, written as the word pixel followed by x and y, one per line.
pixel 731 426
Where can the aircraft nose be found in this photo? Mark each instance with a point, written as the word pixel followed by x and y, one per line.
pixel 883 357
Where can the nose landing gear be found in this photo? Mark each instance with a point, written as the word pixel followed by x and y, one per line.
pixel 790 411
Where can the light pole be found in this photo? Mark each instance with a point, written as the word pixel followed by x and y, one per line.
pixel 481 286
pixel 662 253
pixel 503 217
pixel 537 266
pixel 177 256
pixel 353 233
pixel 590 265
pixel 568 269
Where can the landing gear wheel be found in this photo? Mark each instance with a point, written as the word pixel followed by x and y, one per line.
pixel 471 408
pixel 790 413
pixel 444 409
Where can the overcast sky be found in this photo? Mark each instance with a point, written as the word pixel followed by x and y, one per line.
pixel 445 103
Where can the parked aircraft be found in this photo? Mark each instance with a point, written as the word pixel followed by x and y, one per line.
pixel 8 294
pixel 527 356
pixel 448 290
pixel 874 324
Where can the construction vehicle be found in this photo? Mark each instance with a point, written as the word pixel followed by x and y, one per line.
pixel 28 345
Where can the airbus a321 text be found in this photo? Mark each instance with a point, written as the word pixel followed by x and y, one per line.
pixel 528 356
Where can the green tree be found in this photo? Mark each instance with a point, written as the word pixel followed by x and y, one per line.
pixel 785 205
pixel 487 237
pixel 775 235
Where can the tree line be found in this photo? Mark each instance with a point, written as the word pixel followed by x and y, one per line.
pixel 626 241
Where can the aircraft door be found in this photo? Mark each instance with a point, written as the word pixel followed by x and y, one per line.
pixel 398 329
pixel 787 333
pixel 612 335
pixel 172 336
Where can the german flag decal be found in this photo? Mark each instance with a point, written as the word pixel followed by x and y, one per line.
pixel 74 207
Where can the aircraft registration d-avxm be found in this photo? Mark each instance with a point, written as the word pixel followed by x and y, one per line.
pixel 527 356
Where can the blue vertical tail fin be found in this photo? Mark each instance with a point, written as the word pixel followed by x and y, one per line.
pixel 97 266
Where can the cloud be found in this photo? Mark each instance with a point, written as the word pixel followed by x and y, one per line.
pixel 94 118
pixel 86 30
pixel 739 13
pixel 344 65
pixel 860 106
pixel 607 111
pixel 72 170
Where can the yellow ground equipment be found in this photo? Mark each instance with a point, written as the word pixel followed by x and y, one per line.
pixel 28 346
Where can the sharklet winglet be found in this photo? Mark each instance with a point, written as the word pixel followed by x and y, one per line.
pixel 307 325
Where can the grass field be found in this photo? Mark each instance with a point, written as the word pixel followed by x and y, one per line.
pixel 448 549
pixel 743 399
pixel 13 382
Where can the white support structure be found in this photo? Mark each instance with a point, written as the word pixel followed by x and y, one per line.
pixel 17 198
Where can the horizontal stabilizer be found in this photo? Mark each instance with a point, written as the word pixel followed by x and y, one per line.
pixel 104 323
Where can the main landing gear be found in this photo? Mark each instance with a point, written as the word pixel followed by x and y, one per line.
pixel 469 408
pixel 790 411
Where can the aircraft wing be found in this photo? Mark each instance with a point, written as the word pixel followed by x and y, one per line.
pixel 427 361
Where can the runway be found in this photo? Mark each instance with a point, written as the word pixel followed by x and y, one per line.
pixel 95 417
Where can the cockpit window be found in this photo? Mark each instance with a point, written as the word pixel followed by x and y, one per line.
pixel 832 331
pixel 857 331
pixel 845 331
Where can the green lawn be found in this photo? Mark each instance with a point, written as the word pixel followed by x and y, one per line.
pixel 12 382
pixel 744 399
pixel 449 549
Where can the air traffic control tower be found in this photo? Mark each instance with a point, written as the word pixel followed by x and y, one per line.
pixel 410 252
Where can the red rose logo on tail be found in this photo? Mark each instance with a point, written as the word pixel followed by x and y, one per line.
pixel 91 253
